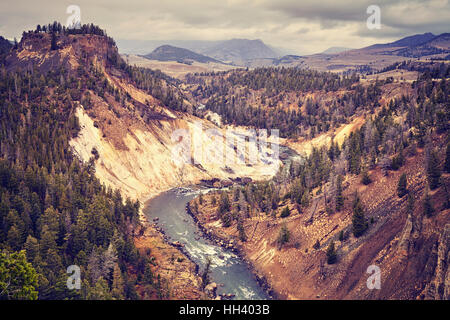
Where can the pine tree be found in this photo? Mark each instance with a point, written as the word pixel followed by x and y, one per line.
pixel 354 153
pixel 402 185
pixel 227 219
pixel 224 203
pixel 365 177
pixel 428 209
pixel 433 170
pixel 14 238
pixel 285 212
pixel 100 291
pixel 411 200
pixel 118 284
pixel 331 151
pixel 53 45
pixel 398 161
pixel 283 236
pixel 18 279
pixel 331 253
pixel 359 222
pixel 339 196
pixel 447 159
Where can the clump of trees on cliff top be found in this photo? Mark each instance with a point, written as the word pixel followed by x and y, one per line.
pixel 56 27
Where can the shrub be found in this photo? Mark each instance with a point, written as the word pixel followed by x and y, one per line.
pixel 331 254
pixel 285 212
pixel 316 245
pixel 428 209
pixel 365 178
pixel 401 187
pixel 283 236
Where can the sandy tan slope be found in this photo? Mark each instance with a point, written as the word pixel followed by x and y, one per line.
pixel 148 167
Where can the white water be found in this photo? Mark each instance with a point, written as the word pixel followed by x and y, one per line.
pixel 226 267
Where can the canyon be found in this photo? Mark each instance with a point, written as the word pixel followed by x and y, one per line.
pixel 131 129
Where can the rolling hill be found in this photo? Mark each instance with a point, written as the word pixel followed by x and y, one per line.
pixel 238 51
pixel 410 41
pixel 375 57
pixel 171 53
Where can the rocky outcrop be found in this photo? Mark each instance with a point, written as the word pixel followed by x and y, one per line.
pixel 73 50
pixel 211 290
pixel 439 287
pixel 442 281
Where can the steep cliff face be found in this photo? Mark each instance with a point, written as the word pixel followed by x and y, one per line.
pixel 137 149
pixel 34 51
pixel 132 133
pixel 148 166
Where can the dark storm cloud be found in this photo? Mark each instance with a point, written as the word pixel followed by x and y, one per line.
pixel 323 11
pixel 304 25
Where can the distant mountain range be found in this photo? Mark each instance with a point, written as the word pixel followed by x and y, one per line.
pixel 255 53
pixel 415 46
pixel 171 53
pixel 372 58
pixel 5 46
pixel 236 51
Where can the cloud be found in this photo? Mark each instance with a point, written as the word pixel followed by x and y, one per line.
pixel 306 26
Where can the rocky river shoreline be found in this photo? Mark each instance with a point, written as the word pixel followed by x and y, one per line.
pixel 235 248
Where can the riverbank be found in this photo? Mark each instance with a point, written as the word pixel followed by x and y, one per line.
pixel 179 274
pixel 235 248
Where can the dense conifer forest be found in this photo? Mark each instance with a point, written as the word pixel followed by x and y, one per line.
pixel 54 212
pixel 379 142
pixel 274 98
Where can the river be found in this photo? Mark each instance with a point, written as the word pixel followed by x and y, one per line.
pixel 227 269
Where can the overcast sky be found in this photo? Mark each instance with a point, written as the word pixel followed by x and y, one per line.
pixel 303 26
